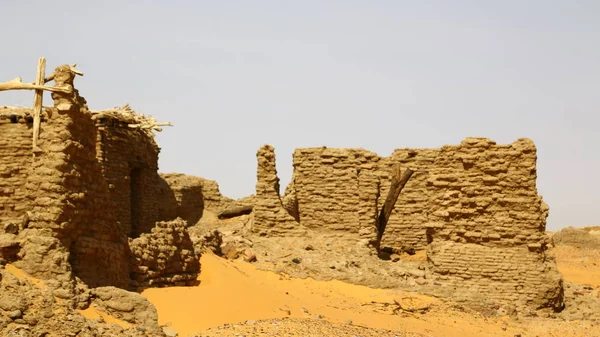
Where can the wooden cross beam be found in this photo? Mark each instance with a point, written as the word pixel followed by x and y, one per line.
pixel 39 87
pixel 17 84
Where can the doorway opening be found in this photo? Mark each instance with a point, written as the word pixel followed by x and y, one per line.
pixel 135 194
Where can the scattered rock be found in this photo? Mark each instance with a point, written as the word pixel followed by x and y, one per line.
pixel 14 314
pixel 170 332
pixel 296 260
pixel 249 255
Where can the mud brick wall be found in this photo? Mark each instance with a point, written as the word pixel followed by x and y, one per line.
pixel 15 161
pixel 327 187
pixel 496 274
pixel 129 160
pixel 184 195
pixel 477 191
pixel 70 232
pixel 406 224
pixel 343 189
pixel 164 256
pixel 484 193
pixel 487 223
pixel 270 217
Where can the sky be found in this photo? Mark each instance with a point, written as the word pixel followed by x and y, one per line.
pixel 234 75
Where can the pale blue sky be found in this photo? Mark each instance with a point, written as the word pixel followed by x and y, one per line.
pixel 233 75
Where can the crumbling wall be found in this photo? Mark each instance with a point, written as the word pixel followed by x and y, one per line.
pixel 164 256
pixel 485 193
pixel 129 159
pixel 188 197
pixel 405 226
pixel 213 199
pixel 70 232
pixel 474 206
pixel 326 183
pixel 270 218
pixel 487 223
pixel 343 189
pixel 15 160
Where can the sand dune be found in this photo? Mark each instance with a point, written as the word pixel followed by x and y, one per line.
pixel 234 291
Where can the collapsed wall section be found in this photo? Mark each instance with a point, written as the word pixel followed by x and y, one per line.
pixel 165 256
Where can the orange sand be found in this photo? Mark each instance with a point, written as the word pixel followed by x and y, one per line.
pixel 580 266
pixel 92 313
pixel 24 276
pixel 234 291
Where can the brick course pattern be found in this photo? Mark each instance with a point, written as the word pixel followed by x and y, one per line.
pixel 68 213
pixel 472 205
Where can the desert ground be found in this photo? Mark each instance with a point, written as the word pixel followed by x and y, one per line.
pixel 275 295
pixel 246 301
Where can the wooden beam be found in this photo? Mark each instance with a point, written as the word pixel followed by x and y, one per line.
pixel 37 102
pixel 235 211
pixel 398 182
pixel 17 84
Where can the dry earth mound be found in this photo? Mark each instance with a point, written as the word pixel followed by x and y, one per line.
pixel 583 238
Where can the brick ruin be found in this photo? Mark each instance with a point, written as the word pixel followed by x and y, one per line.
pixel 86 202
pixel 474 207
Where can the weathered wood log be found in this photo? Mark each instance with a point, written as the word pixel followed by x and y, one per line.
pixel 235 211
pixel 37 103
pixel 17 84
pixel 398 182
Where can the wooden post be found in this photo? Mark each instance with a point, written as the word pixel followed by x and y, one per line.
pixel 398 182
pixel 37 103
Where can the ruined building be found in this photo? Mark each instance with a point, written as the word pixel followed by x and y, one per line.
pixel 81 199
pixel 80 196
pixel 474 207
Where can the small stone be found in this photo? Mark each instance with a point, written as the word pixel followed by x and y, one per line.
pixel 309 247
pixel 296 260
pixel 14 314
pixel 348 321
pixel 170 332
pixel 249 255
